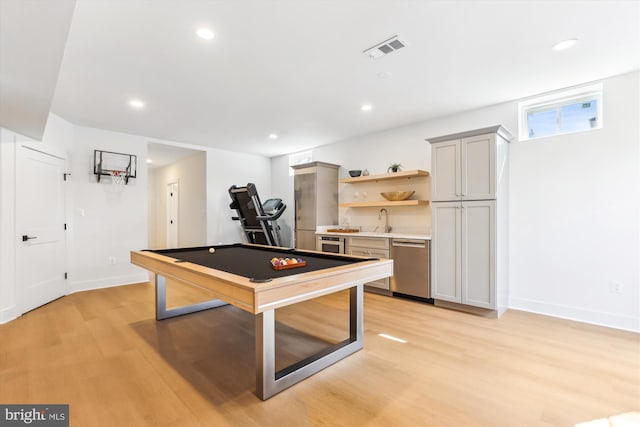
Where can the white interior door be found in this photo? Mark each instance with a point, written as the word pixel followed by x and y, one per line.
pixel 40 228
pixel 173 197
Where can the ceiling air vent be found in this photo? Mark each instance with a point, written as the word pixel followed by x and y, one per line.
pixel 386 47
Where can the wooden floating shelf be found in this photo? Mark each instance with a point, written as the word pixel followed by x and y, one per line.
pixel 380 203
pixel 386 176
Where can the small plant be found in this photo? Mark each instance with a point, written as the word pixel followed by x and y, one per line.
pixel 394 167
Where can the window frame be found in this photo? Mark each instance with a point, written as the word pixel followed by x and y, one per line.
pixel 299 158
pixel 558 100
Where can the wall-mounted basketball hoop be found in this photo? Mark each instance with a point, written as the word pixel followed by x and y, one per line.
pixel 117 166
pixel 118 178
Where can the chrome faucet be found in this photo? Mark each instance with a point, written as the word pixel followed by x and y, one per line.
pixel 387 229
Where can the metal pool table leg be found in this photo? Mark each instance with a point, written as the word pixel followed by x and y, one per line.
pixel 161 302
pixel 269 382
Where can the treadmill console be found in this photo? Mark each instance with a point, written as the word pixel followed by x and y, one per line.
pixel 272 206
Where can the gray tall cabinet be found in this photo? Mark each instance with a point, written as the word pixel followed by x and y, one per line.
pixel 469 241
pixel 316 200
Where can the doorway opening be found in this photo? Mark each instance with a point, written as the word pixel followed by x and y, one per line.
pixel 173 199
pixel 177 196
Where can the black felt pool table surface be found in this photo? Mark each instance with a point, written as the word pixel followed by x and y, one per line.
pixel 255 262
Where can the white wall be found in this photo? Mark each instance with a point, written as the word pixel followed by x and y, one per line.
pixel 575 206
pixel 282 185
pixel 7 226
pixel 152 214
pixel 405 145
pixel 224 169
pixel 190 172
pixel 574 203
pixel 103 223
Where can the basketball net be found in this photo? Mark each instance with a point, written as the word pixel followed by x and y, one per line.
pixel 118 180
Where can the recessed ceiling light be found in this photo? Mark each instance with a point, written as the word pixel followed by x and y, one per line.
pixel 565 44
pixel 136 103
pixel 273 136
pixel 205 33
pixel 366 107
pixel 149 161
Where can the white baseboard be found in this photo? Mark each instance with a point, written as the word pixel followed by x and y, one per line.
pixel 108 282
pixel 611 320
pixel 8 314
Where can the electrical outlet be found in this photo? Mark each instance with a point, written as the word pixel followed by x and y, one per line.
pixel 112 260
pixel 617 287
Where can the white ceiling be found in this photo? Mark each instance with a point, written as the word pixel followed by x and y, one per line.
pixel 32 41
pixel 160 155
pixel 296 68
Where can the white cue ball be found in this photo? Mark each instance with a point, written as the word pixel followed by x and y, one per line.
pixel 211 250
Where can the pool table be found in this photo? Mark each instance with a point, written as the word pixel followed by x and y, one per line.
pixel 242 275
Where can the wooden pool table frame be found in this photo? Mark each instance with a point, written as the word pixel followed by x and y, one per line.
pixel 262 299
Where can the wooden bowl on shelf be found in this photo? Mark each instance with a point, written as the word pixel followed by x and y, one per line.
pixel 396 196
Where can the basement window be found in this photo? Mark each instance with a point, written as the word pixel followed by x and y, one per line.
pixel 299 158
pixel 574 110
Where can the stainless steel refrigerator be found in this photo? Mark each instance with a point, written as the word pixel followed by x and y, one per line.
pixel 316 200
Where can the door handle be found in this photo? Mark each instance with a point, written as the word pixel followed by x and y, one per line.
pixel 25 237
pixel 409 244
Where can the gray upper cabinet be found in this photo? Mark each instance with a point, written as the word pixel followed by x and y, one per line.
pixel 478 167
pixel 463 166
pixel 445 171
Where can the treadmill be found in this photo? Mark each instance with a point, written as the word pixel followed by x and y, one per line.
pixel 259 221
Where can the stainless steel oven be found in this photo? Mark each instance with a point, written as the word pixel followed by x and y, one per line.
pixel 333 244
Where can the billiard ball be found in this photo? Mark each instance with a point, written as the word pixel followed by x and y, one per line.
pixel 212 250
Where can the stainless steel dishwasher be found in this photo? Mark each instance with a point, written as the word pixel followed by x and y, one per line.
pixel 410 268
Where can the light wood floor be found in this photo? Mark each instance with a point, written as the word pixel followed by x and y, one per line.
pixel 103 353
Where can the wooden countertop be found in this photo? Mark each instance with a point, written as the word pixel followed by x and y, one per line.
pixel 372 234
